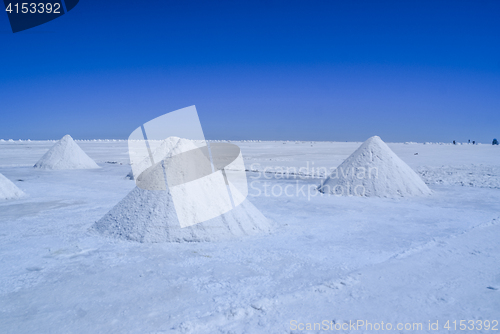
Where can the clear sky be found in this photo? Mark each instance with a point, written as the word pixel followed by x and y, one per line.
pixel 258 69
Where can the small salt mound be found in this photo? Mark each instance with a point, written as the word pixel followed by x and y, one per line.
pixel 66 154
pixel 150 216
pixel 8 190
pixel 374 170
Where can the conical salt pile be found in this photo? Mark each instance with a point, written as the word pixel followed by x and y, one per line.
pixel 152 216
pixel 66 154
pixel 8 190
pixel 374 170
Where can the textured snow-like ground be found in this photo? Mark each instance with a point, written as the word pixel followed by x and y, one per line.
pixel 331 258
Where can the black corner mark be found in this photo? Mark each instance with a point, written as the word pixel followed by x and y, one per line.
pixel 70 4
pixel 26 14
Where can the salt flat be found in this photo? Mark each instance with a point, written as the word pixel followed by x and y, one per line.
pixel 341 259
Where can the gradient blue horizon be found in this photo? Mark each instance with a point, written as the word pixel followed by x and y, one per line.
pixel 269 70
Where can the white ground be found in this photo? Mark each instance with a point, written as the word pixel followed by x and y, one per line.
pixel 331 258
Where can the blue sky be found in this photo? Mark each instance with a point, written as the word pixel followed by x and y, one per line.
pixel 298 70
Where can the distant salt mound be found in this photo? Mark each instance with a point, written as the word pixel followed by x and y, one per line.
pixel 374 170
pixel 8 190
pixel 150 215
pixel 130 176
pixel 66 154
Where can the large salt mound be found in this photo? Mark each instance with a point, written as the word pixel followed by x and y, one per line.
pixel 66 154
pixel 150 216
pixel 8 190
pixel 374 170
